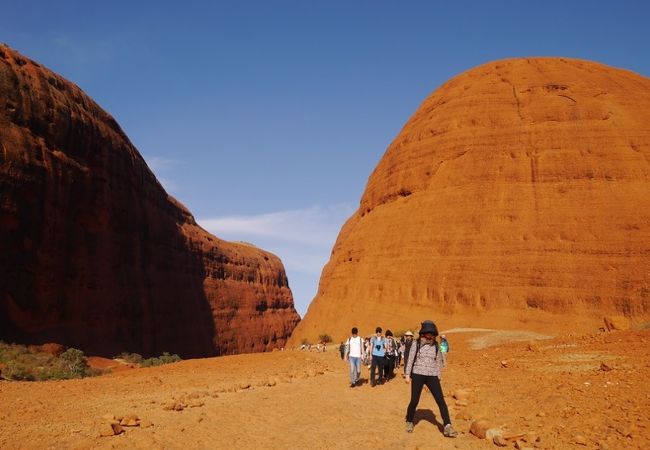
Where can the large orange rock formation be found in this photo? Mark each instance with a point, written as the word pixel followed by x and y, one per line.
pixel 518 192
pixel 95 254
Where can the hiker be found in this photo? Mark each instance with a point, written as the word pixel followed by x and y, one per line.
pixel 353 354
pixel 423 368
pixel 406 348
pixel 366 352
pixel 342 350
pixel 389 358
pixel 378 350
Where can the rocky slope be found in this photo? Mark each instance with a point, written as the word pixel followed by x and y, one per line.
pixel 95 254
pixel 519 191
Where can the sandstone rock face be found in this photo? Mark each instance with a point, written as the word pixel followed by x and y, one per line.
pixel 94 253
pixel 518 192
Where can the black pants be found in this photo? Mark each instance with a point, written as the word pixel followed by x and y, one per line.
pixel 378 364
pixel 389 364
pixel 433 383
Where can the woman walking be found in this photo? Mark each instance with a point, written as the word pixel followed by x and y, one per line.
pixel 423 368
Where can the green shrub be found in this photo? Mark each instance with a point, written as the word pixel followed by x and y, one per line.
pixel 165 358
pixel 30 364
pixel 135 358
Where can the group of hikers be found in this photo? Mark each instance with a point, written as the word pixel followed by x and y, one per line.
pixel 423 359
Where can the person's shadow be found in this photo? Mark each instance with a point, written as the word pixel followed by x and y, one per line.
pixel 429 416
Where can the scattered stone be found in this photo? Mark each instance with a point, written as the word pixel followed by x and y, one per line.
pixel 602 445
pixel 244 385
pixel 146 423
pixel 130 421
pixel 460 394
pixel 110 429
pixel 271 382
pixel 504 364
pixel 499 441
pixel 613 323
pixel 521 445
pixel 531 437
pixel 604 367
pixel 196 403
pixel 169 405
pixel 579 439
pixel 464 415
pixel 532 347
pixel 512 436
pixel 491 432
pixel 461 403
pixel 179 406
pixel 479 428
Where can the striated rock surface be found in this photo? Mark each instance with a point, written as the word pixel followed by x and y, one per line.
pixel 95 254
pixel 518 192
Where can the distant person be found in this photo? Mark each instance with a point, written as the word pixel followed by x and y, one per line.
pixel 342 350
pixel 406 348
pixel 389 358
pixel 354 353
pixel 366 352
pixel 378 351
pixel 423 368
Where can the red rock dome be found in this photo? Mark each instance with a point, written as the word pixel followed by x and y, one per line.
pixel 519 192
pixel 93 252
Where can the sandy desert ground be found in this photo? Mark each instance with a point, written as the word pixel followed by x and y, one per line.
pixel 565 392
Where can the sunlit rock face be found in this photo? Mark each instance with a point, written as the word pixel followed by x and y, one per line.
pixel 95 254
pixel 518 193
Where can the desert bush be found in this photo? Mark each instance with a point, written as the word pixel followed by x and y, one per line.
pixel 32 364
pixel 326 338
pixel 165 358
pixel 135 358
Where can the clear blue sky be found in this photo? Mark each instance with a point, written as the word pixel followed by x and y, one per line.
pixel 266 118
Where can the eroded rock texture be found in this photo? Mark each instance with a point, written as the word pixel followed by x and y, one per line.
pixel 519 191
pixel 94 253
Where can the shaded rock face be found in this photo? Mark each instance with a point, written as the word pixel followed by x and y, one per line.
pixel 94 253
pixel 519 191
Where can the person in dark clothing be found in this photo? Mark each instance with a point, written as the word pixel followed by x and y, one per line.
pixel 389 357
pixel 423 367
pixel 408 342
pixel 342 350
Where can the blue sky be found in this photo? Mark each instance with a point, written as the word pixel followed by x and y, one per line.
pixel 266 118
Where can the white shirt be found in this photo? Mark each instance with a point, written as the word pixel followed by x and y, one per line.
pixel 356 344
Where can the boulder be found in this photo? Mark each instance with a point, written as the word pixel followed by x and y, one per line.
pixel 97 256
pixel 614 323
pixel 517 191
pixel 479 428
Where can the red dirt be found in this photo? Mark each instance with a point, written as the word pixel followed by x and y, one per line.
pixel 554 388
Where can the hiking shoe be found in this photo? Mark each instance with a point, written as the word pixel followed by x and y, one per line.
pixel 352 385
pixel 449 431
pixel 409 427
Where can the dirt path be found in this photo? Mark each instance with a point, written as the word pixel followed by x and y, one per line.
pixel 555 388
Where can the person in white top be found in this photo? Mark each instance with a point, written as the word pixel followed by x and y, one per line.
pixel 353 354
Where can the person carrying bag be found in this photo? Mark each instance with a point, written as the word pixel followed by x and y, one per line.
pixel 423 367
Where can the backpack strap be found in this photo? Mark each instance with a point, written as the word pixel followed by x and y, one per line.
pixel 415 355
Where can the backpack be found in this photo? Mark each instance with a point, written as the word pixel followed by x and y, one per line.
pixel 347 345
pixel 390 346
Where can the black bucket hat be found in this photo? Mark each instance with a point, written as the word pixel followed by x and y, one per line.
pixel 428 327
